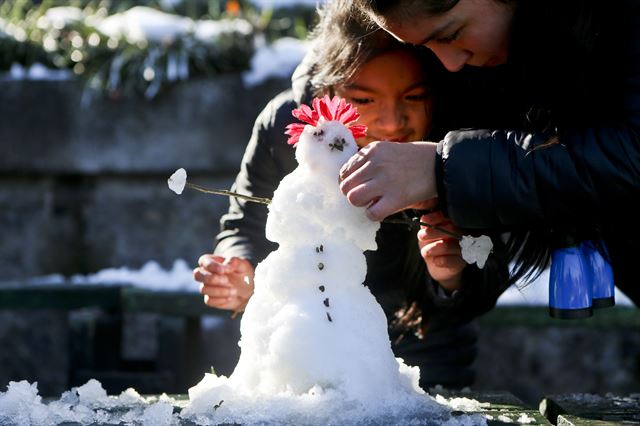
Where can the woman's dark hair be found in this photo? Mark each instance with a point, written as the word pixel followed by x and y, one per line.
pixel 400 10
pixel 345 39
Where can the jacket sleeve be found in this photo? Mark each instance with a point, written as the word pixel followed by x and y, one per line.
pixel 492 178
pixel 267 159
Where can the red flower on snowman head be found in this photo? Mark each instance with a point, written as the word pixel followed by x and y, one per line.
pixel 336 109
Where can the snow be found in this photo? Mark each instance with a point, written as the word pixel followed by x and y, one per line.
pixel 315 348
pixel 536 293
pixel 59 17
pixel 36 71
pixel 151 277
pixel 144 24
pixel 21 405
pixel 180 278
pixel 209 30
pixel 476 249
pixel 177 181
pixel 278 59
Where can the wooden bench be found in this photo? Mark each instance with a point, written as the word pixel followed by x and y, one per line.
pixel 180 361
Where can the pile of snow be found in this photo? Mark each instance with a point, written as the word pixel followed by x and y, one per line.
pixel 143 24
pixel 88 404
pixel 151 277
pixel 21 405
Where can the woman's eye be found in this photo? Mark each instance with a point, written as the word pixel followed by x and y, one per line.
pixel 450 38
pixel 416 97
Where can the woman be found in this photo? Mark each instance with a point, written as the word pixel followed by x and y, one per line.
pixel 549 95
pixel 385 80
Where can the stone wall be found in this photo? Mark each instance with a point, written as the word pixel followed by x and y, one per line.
pixel 84 183
pixel 83 188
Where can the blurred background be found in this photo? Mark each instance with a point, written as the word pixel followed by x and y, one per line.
pixel 100 102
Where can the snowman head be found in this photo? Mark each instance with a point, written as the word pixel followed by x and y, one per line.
pixel 327 141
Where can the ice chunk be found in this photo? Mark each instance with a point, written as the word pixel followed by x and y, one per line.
pixel 92 394
pixel 158 414
pixel 177 181
pixel 476 249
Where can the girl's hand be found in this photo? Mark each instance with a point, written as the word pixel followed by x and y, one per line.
pixel 441 252
pixel 226 283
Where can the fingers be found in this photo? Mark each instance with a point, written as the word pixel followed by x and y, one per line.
pixel 240 266
pixel 214 290
pixel 443 259
pixel 425 204
pixel 448 247
pixel 381 207
pixel 230 303
pixel 356 161
pixel 429 234
pixel 214 264
pixel 206 277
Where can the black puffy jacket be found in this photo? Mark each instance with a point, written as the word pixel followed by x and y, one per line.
pixel 553 137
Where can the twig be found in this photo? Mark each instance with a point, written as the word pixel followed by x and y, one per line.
pixel 412 222
pixel 416 222
pixel 228 193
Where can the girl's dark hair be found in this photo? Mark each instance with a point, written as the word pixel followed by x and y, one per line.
pixel 345 39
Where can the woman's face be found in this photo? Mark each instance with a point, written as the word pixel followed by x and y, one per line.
pixel 473 32
pixel 392 98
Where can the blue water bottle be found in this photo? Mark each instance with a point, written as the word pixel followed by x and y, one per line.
pixel 600 274
pixel 570 289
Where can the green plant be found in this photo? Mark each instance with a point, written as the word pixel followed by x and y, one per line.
pixel 218 37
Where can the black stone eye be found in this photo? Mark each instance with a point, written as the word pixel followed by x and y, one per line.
pixel 338 143
pixel 318 133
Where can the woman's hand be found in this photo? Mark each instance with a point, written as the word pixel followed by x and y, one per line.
pixel 441 252
pixel 388 176
pixel 226 283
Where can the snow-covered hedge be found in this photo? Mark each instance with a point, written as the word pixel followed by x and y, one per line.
pixel 124 48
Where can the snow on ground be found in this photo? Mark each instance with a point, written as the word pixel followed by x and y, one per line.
pixel 537 293
pixel 36 71
pixel 180 278
pixel 151 277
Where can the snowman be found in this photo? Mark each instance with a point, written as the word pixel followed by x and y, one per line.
pixel 313 336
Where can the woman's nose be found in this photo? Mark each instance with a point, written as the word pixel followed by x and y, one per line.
pixel 453 58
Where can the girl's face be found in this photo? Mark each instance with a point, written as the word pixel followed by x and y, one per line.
pixel 392 98
pixel 473 32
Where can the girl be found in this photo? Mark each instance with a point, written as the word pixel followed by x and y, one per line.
pixel 386 81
